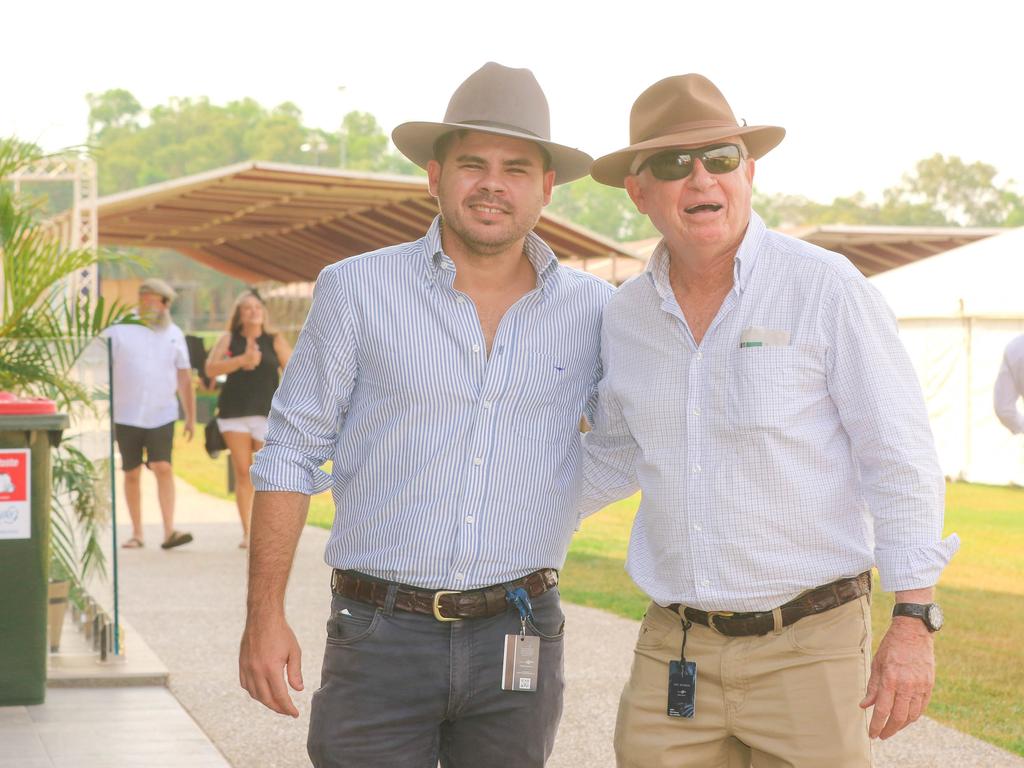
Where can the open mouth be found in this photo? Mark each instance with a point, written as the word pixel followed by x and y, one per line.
pixel 711 207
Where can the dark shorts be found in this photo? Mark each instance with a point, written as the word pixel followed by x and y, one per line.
pixel 403 689
pixel 131 441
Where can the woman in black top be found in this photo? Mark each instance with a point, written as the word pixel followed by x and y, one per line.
pixel 252 357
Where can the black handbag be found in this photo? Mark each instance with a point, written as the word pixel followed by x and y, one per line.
pixel 213 440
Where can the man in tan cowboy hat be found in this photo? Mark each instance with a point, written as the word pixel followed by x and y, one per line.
pixel 151 373
pixel 756 391
pixel 445 378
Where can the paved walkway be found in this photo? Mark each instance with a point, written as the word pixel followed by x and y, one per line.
pixel 188 605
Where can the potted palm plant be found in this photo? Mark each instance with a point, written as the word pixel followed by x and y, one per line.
pixel 43 330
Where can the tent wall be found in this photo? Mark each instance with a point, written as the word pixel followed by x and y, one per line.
pixel 956 360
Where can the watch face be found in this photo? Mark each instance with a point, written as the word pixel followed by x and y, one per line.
pixel 934 617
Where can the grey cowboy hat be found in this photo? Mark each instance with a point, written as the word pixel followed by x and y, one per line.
pixel 683 110
pixel 500 101
pixel 159 287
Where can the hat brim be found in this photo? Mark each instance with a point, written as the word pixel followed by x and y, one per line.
pixel 612 169
pixel 416 141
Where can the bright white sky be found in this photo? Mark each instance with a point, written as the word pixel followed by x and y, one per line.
pixel 864 89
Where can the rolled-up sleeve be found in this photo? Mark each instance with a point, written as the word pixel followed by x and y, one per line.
pixel 310 405
pixel 881 407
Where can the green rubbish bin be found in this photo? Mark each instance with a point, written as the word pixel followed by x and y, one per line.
pixel 28 430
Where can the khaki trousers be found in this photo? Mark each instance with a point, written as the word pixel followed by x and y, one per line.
pixel 789 698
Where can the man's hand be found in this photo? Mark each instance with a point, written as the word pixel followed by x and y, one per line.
pixel 902 676
pixel 190 428
pixel 268 646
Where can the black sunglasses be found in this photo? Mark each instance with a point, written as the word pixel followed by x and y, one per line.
pixel 675 164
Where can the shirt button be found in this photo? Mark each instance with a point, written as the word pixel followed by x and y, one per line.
pixel 696 411
pixel 478 461
pixel 476 347
pixel 696 469
pixel 460 576
pixel 487 403
pixel 696 527
pixel 706 583
pixel 469 518
pixel 460 300
pixel 700 355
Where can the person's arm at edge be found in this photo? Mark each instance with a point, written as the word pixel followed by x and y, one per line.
pixel 268 644
pixel 1004 398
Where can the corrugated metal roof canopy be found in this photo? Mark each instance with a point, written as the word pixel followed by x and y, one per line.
pixel 271 221
pixel 877 249
pixel 871 249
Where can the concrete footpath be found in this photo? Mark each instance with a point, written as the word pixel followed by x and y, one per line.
pixel 188 605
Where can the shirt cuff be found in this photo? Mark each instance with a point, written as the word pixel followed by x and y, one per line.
pixel 276 468
pixel 915 567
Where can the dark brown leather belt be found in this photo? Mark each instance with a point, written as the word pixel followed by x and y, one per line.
pixel 817 600
pixel 442 604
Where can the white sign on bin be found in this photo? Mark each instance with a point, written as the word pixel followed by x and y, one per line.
pixel 15 493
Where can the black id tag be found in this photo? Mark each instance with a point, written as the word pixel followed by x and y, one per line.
pixel 682 688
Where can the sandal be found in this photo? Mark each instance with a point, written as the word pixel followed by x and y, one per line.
pixel 176 539
pixel 133 543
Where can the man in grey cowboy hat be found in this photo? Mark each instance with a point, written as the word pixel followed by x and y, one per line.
pixel 445 378
pixel 756 391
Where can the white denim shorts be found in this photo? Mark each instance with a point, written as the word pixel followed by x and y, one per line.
pixel 254 425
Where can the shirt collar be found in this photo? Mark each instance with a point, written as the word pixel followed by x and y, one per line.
pixel 543 259
pixel 743 264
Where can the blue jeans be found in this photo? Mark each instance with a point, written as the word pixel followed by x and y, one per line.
pixel 403 690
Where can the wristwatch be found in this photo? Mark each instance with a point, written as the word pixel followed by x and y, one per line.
pixel 929 613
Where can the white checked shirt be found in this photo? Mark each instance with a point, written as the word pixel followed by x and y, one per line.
pixel 452 469
pixel 1009 387
pixel 766 469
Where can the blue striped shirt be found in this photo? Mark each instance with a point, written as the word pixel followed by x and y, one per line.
pixel 452 469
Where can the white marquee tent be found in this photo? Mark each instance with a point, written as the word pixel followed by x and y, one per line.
pixel 957 311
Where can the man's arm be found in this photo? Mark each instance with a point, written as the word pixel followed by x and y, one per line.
pixel 1005 396
pixel 268 643
pixel 187 393
pixel 608 460
pixel 880 404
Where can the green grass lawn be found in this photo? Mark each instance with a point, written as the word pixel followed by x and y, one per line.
pixel 980 653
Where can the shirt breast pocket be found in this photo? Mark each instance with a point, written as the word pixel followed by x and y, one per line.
pixel 770 387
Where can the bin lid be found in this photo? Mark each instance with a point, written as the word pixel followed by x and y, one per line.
pixel 12 405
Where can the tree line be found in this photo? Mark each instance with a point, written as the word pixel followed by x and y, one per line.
pixel 136 146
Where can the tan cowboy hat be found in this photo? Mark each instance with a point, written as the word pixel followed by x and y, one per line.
pixel 679 111
pixel 159 287
pixel 500 101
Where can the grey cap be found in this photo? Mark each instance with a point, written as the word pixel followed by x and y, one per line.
pixel 159 287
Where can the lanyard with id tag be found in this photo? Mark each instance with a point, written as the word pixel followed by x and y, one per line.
pixel 522 651
pixel 682 682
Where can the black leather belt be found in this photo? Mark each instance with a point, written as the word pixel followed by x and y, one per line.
pixel 817 600
pixel 442 604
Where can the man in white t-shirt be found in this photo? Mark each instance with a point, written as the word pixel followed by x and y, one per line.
pixel 151 371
